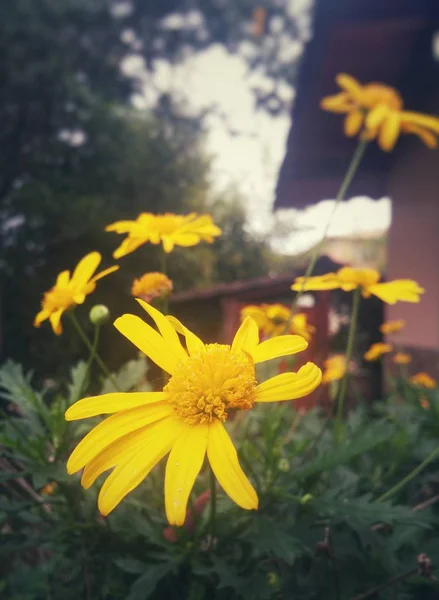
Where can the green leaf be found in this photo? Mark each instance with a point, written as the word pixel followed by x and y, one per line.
pixel 131 565
pixel 347 450
pixel 269 536
pixel 77 375
pixel 145 585
pixel 130 376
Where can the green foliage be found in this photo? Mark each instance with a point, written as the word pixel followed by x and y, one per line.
pixel 321 530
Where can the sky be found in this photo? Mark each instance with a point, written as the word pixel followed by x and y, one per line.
pixel 247 146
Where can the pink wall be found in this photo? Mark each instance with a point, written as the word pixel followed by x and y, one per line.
pixel 414 242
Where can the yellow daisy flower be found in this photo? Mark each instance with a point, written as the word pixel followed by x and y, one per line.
pixel 272 320
pixel 377 350
pixel 335 368
pixel 402 358
pixel 169 229
pixel 423 380
pixel 377 109
pixel 392 326
pixel 349 279
pixel 70 291
pixel 150 286
pixel 186 419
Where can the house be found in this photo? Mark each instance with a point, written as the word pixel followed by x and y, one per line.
pixel 394 42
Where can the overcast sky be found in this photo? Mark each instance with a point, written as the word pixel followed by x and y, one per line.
pixel 248 146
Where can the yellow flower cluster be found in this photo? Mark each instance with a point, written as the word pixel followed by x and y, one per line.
pixel 275 319
pixel 150 286
pixel 335 368
pixel 185 420
pixel 377 110
pixel 168 229
pixel 69 291
pixel 349 279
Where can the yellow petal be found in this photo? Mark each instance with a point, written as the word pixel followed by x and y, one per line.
pixel 320 282
pixel 121 226
pixel 429 139
pixel 338 103
pixel 111 403
pixel 166 329
pixel 41 316
pixel 85 269
pixel 128 246
pixel 104 273
pixel 168 244
pixel 389 131
pixel 290 386
pixel 247 336
pixel 224 462
pixel 404 290
pixel 63 279
pixel 193 342
pixel 184 464
pixel 351 85
pixel 415 118
pixel 55 321
pixel 283 345
pixel 118 453
pixel 113 428
pixel 353 123
pixel 149 341
pixel 130 474
pixel 376 116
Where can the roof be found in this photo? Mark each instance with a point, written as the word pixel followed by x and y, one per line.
pixel 373 40
pixel 236 288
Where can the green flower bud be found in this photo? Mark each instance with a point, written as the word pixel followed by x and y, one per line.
pixel 99 314
pixel 283 465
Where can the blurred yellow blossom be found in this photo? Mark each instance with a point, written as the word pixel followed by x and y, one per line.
pixel 150 286
pixel 402 358
pixel 376 110
pixel 186 419
pixel 348 279
pixel 423 380
pixel 49 489
pixel 377 350
pixel 335 368
pixel 169 229
pixel 272 320
pixel 70 291
pixel 392 326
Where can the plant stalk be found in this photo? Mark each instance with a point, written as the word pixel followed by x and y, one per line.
pixel 410 476
pixel 81 333
pixel 349 353
pixel 347 180
pixel 212 486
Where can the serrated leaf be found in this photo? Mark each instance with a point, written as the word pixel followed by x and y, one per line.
pixel 130 376
pixel 78 375
pixel 346 451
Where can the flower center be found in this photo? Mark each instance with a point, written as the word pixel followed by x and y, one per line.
pixel 375 93
pixel 205 386
pixel 59 297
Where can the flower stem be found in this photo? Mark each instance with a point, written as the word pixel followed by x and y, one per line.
pixel 347 180
pixel 81 333
pixel 90 360
pixel 410 476
pixel 212 486
pixel 163 269
pixel 349 352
